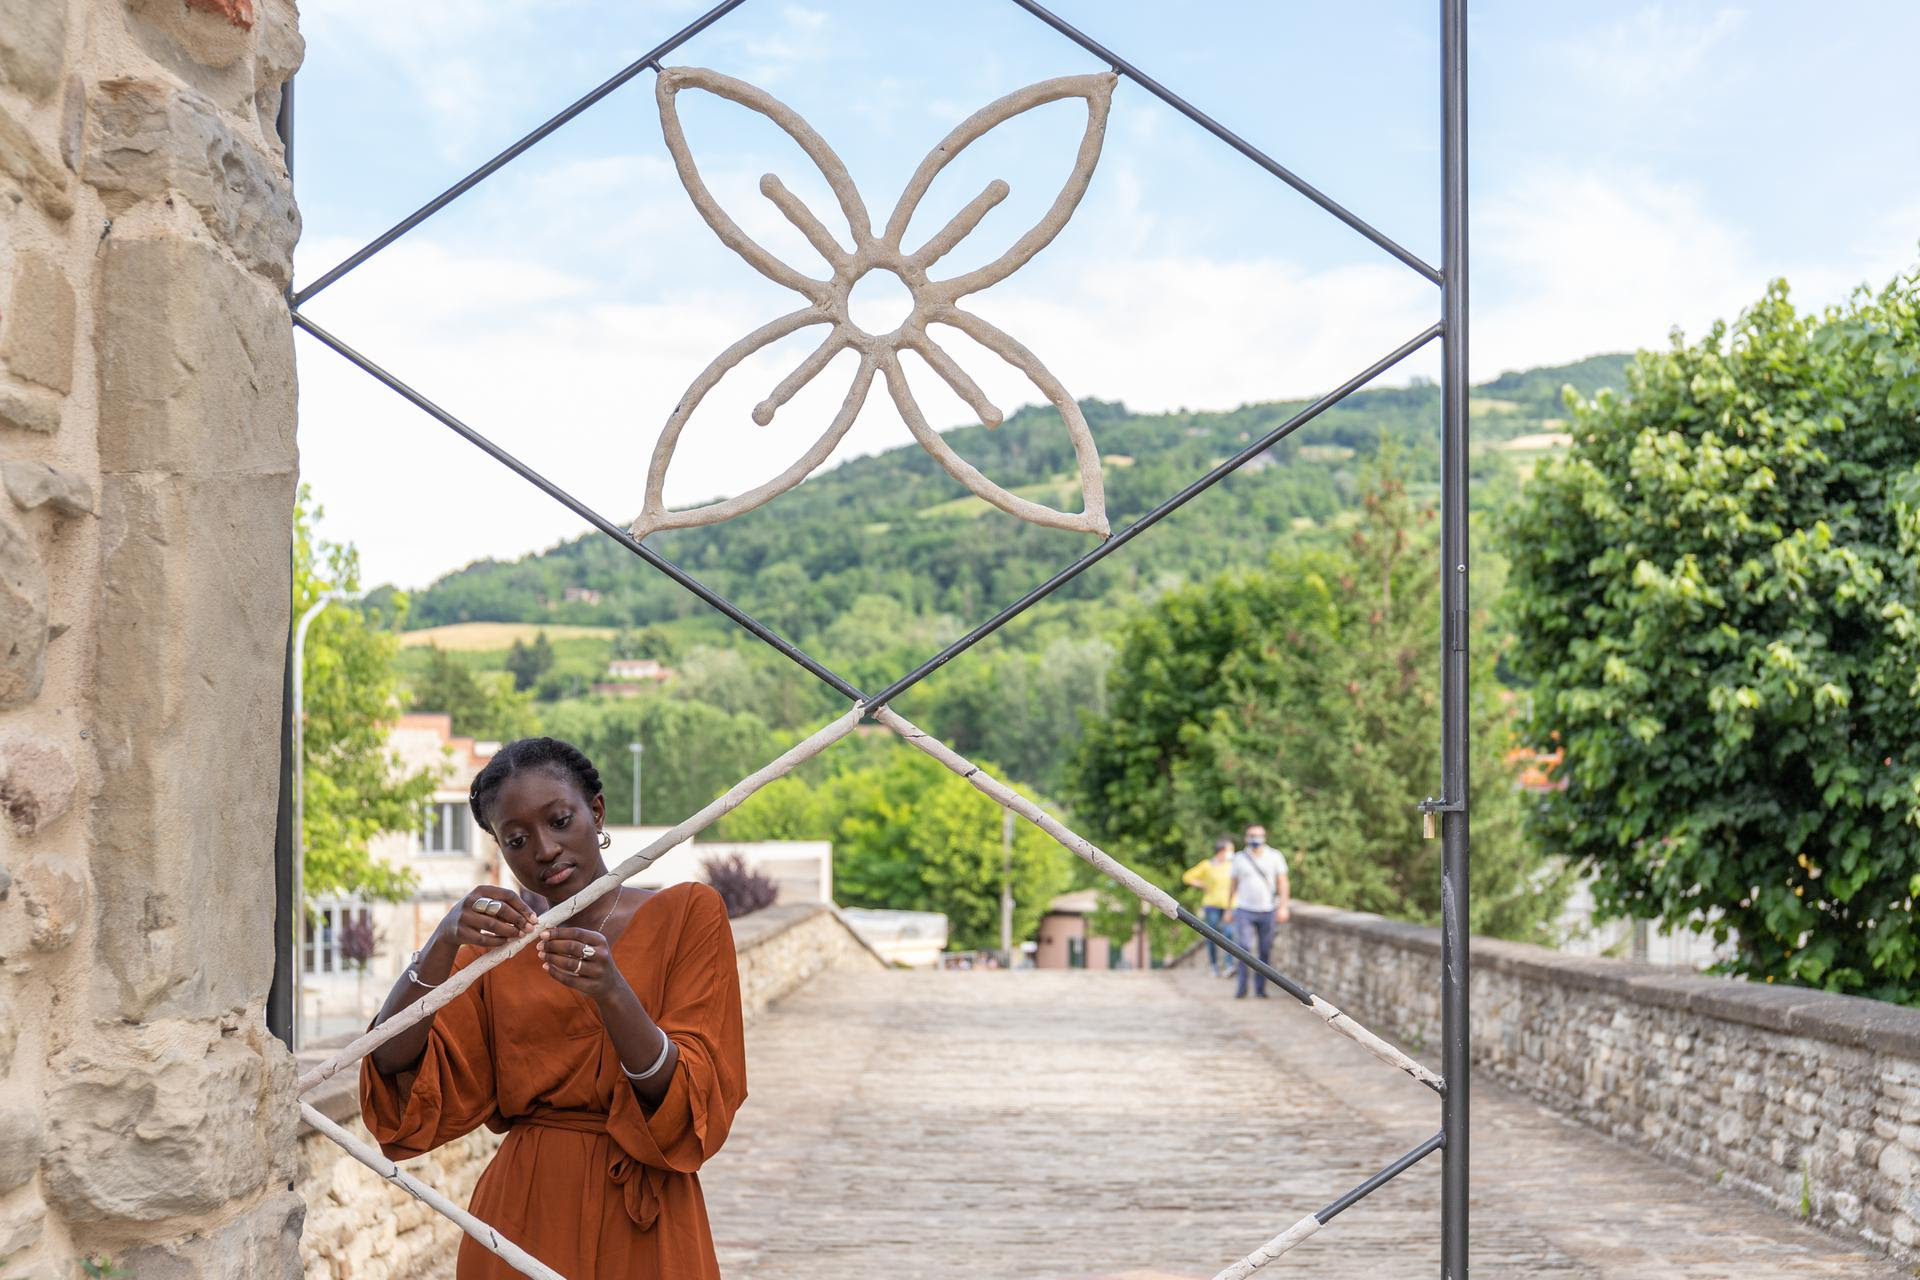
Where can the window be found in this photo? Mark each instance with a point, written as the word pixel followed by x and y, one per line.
pixel 446 833
pixel 1076 953
pixel 339 938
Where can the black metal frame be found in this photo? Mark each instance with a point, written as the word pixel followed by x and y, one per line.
pixel 1450 330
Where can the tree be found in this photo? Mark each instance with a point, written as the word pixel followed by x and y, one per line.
pixel 909 835
pixel 526 663
pixel 1306 697
pixel 481 705
pixel 1715 595
pixel 356 788
pixel 692 751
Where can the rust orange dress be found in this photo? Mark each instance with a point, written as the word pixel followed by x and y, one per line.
pixel 587 1180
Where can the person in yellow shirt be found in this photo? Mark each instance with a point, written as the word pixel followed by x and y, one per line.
pixel 1214 879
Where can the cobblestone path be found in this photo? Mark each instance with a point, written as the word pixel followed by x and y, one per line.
pixel 993 1126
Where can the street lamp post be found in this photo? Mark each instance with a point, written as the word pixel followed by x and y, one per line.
pixel 1006 889
pixel 300 798
pixel 636 748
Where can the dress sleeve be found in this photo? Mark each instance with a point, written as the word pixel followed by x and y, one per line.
pixel 450 1092
pixel 701 1013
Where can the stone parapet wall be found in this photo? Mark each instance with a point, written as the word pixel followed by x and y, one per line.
pixel 362 1228
pixel 781 947
pixel 147 461
pixel 1808 1100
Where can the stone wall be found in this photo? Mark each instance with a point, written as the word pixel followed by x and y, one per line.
pixel 147 458
pixel 1808 1100
pixel 361 1228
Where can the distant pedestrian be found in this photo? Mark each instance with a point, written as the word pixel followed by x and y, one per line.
pixel 1261 897
pixel 1214 879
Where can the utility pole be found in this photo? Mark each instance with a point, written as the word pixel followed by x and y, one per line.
pixel 1455 859
pixel 300 798
pixel 1006 887
pixel 636 748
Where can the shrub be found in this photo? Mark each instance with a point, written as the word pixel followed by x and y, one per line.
pixel 742 887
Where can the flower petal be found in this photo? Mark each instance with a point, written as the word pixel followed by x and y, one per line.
pixel 674 79
pixel 1092 517
pixel 654 514
pixel 1097 89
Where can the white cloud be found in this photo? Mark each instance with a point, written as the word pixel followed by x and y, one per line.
pixel 473 67
pixel 1570 262
pixel 1655 49
pixel 579 387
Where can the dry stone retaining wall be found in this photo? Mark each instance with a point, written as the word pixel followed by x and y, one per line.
pixel 147 457
pixel 1808 1100
pixel 361 1228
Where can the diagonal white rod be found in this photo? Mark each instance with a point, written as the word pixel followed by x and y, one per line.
pixel 1374 1045
pixel 436 999
pixel 510 1253
pixel 1146 891
pixel 1272 1249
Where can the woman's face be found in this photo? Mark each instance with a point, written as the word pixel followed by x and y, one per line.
pixel 549 832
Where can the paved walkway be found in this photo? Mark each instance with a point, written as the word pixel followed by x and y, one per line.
pixel 992 1126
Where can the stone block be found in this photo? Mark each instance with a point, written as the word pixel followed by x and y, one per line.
pixel 21 1219
pixel 196 364
pixel 36 484
pixel 37 782
pixel 23 617
pixel 38 175
pixel 195 573
pixel 25 410
pixel 199 30
pixel 19 1146
pixel 147 140
pixel 278 52
pixel 262 1244
pixel 37 339
pixel 164 1120
pixel 33 45
pixel 56 896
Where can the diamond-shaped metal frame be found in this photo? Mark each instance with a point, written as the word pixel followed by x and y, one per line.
pixel 1451 809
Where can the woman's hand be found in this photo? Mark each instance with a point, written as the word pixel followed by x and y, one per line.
pixel 581 959
pixel 468 924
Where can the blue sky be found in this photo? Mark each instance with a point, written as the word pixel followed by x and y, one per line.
pixel 1635 167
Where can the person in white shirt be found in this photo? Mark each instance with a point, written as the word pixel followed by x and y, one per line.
pixel 1261 897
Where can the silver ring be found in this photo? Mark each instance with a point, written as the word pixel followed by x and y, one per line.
pixel 488 906
pixel 576 964
pixel 586 952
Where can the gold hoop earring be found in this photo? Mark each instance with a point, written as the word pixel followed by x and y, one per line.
pixel 606 841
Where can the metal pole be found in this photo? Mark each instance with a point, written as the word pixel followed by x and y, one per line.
pixel 1006 887
pixel 1455 975
pixel 300 799
pixel 636 748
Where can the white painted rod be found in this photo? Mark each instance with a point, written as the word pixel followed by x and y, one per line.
pixel 1148 892
pixel 438 998
pixel 1145 890
pixel 1272 1249
pixel 510 1253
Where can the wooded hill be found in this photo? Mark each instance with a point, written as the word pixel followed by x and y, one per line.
pixel 895 525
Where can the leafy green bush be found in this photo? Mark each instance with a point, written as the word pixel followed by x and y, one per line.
pixel 1715 593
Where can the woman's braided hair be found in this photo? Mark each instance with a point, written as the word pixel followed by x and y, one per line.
pixel 562 758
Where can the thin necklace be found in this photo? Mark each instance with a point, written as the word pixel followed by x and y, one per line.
pixel 612 902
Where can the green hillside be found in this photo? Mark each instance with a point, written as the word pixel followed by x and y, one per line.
pixel 895 525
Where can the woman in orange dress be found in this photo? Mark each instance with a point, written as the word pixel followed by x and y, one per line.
pixel 610 1056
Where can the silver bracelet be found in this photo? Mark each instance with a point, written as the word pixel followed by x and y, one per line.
pixel 413 974
pixel 666 1047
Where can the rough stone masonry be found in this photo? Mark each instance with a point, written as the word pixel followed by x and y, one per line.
pixel 147 458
